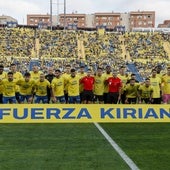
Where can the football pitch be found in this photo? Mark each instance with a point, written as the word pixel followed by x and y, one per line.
pixel 83 147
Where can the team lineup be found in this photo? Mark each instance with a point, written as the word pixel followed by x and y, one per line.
pixel 106 86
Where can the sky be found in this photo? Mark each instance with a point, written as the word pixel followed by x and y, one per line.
pixel 19 9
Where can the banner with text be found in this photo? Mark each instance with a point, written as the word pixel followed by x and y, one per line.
pixel 83 113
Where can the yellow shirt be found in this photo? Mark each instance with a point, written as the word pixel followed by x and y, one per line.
pixel 145 91
pixel 66 76
pixel 124 78
pixel 106 76
pixel 57 85
pixel 99 85
pixel 73 86
pixel 8 88
pixel 131 91
pixel 26 88
pixel 41 87
pixel 17 76
pixel 155 82
pixel 2 76
pixel 35 76
pixel 159 75
pixel 166 84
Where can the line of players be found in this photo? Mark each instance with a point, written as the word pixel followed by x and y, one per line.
pixel 105 86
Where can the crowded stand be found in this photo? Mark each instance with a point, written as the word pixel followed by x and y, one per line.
pixel 44 66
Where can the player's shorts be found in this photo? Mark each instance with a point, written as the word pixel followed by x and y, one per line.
pixel 87 95
pixel 61 99
pixel 74 99
pixel 99 98
pixel 9 99
pixel 24 97
pixel 132 100
pixel 43 99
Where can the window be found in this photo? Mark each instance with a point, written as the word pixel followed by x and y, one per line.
pixel 149 22
pixel 31 20
pixel 139 16
pixel 140 23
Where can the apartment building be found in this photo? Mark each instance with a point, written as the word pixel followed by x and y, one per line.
pixel 35 19
pixel 142 19
pixel 110 20
pixel 130 20
pixel 73 19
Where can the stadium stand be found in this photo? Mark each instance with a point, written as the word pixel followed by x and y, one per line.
pixel 132 68
pixel 140 51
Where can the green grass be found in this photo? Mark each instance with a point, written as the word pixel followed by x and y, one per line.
pixel 56 146
pixel 148 145
pixel 82 147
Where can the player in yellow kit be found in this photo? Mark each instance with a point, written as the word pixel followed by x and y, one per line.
pixel 166 87
pixel 156 84
pixel 27 86
pixel 57 85
pixel 81 74
pixel 145 92
pixel 99 85
pixel 9 87
pixel 131 92
pixel 106 75
pixel 17 76
pixel 66 75
pixel 124 78
pixel 3 75
pixel 35 73
pixel 41 89
pixel 73 82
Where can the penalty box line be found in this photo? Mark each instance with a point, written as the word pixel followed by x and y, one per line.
pixel 122 154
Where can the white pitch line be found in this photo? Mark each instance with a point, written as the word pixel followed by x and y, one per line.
pixel 122 154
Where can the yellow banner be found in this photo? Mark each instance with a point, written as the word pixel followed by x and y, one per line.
pixel 67 113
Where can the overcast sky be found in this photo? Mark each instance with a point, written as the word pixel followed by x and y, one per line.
pixel 20 8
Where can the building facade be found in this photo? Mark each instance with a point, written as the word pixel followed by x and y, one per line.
pixel 142 19
pixel 110 20
pixel 4 19
pixel 73 19
pixel 36 19
pixel 166 24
